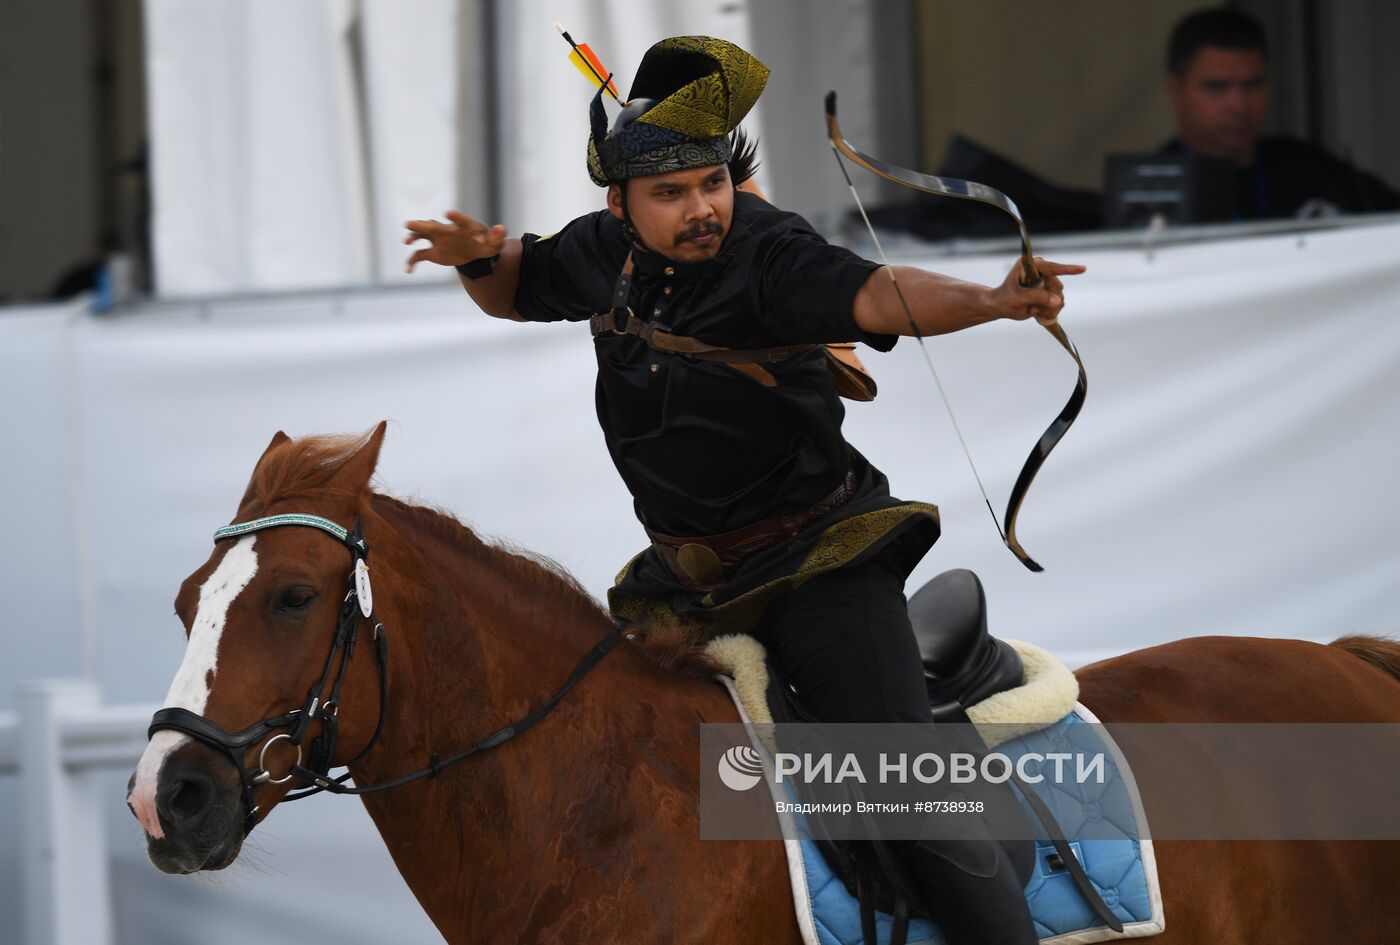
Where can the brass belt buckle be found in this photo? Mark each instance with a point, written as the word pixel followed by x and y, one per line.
pixel 700 563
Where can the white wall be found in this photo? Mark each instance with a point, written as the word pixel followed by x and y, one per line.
pixel 1233 472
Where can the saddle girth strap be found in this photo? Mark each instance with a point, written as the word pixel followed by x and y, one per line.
pixel 1081 879
pixel 865 901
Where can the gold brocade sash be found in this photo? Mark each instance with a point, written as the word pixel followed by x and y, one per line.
pixel 840 544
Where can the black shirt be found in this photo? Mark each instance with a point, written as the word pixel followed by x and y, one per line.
pixel 1288 172
pixel 703 448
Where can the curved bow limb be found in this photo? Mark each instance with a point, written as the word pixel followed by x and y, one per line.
pixel 971 190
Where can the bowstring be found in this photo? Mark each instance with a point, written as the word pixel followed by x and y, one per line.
pixel 918 336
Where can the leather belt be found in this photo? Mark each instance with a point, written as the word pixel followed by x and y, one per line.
pixel 706 562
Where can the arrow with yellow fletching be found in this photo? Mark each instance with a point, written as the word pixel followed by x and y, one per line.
pixel 587 62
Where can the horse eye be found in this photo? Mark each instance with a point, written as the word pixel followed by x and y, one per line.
pixel 296 600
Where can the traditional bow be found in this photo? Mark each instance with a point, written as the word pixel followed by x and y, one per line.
pixel 969 190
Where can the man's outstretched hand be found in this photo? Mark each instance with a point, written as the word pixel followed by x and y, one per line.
pixel 455 243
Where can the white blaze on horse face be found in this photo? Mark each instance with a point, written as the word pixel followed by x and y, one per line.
pixel 190 688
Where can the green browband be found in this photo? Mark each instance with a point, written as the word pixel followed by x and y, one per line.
pixel 290 518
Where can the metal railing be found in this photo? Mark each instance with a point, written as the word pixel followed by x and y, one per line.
pixel 840 229
pixel 58 742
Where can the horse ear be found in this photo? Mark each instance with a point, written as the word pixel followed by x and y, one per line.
pixel 355 474
pixel 278 439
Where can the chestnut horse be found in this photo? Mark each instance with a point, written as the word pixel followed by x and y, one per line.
pixel 585 827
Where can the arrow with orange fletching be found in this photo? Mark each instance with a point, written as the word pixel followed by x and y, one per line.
pixel 587 62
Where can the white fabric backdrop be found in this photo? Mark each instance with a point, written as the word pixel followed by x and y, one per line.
pixel 1233 472
pixel 544 101
pixel 290 141
pixel 260 114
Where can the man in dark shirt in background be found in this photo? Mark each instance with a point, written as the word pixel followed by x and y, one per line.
pixel 1217 79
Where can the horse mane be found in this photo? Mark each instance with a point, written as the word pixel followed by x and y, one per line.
pixel 303 468
pixel 672 646
pixel 668 645
pixel 545 577
pixel 1380 652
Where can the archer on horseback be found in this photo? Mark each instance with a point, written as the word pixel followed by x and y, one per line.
pixel 719 400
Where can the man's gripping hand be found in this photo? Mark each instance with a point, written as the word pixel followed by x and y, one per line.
pixel 1042 302
pixel 455 243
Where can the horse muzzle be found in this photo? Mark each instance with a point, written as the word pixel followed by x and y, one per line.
pixel 198 809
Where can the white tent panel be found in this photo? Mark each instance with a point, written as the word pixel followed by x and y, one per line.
pixel 411 80
pixel 257 163
pixel 290 141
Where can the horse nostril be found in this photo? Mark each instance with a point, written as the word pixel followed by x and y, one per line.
pixel 185 800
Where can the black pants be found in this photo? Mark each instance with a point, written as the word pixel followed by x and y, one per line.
pixel 845 641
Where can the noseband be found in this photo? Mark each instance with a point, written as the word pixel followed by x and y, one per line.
pixel 292 726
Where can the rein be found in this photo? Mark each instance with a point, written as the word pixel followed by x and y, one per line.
pixel 315 776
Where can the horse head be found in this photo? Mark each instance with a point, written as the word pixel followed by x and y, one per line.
pixel 486 769
pixel 251 695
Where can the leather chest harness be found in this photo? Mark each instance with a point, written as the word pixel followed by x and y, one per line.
pixel 706 562
pixel 853 381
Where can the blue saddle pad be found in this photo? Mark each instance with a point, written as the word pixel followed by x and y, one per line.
pixel 1106 830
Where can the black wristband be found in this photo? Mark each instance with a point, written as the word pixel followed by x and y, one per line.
pixel 479 268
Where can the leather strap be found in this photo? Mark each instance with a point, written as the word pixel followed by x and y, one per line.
pixel 498 737
pixel 852 379
pixel 867 909
pixel 1071 862
pixel 899 928
pixel 656 335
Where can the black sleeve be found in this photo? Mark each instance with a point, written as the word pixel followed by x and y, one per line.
pixel 1300 170
pixel 562 276
pixel 806 290
pixel 1362 192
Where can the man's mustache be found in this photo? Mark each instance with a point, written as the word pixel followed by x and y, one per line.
pixel 699 230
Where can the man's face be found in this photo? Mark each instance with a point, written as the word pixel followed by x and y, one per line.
pixel 1220 101
pixel 683 215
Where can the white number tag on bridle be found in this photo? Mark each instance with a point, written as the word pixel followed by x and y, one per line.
pixel 362 588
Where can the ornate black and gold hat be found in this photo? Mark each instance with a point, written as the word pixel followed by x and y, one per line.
pixel 689 94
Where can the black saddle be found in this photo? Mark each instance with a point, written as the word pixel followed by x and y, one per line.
pixel 963 663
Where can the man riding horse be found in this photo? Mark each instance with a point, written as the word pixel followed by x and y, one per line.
pixel 718 398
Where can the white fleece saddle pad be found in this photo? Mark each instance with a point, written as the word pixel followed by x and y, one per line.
pixel 1104 821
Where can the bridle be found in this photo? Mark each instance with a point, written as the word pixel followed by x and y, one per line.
pixel 323 698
